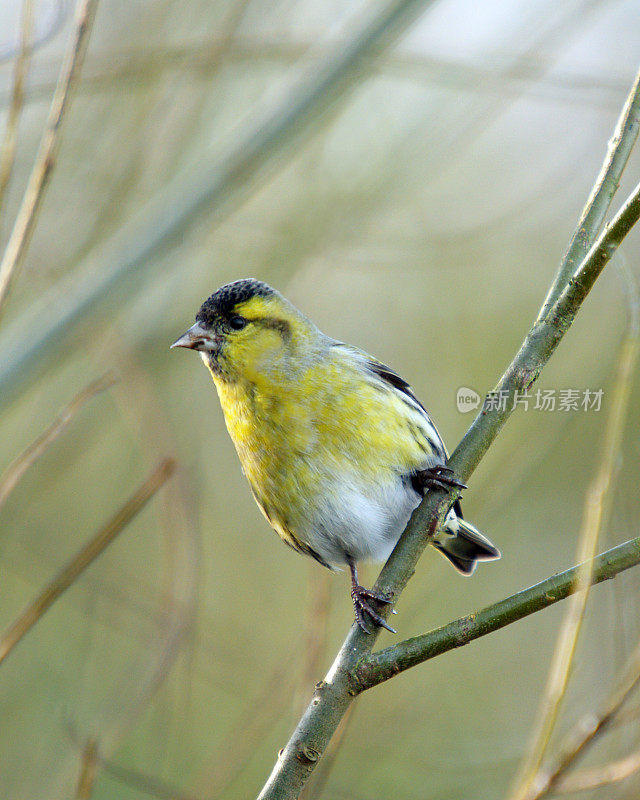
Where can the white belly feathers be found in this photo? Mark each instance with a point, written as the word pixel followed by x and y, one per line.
pixel 352 524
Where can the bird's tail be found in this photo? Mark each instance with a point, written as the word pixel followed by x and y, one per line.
pixel 463 544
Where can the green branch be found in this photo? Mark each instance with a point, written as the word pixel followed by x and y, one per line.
pixel 378 667
pixel 544 337
pixel 622 142
pixel 334 695
pixel 536 350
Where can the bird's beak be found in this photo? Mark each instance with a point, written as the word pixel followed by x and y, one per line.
pixel 197 338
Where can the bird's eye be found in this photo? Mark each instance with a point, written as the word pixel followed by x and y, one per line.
pixel 237 322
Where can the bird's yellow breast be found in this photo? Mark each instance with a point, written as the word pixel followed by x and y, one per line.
pixel 301 436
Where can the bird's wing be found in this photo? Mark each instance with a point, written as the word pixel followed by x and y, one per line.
pixel 381 372
pixel 388 375
pixel 393 379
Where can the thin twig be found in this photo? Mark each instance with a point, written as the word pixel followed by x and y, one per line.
pixel 177 582
pixel 46 157
pixel 620 146
pixel 84 557
pixel 543 338
pixel 590 728
pixel 14 472
pixel 88 770
pixel 225 765
pixel 128 64
pixel 597 777
pixel 626 716
pixel 9 145
pixel 333 696
pixel 378 667
pixel 144 782
pixel 537 348
pixel 41 37
pixel 597 506
pixel 246 733
pixel 550 37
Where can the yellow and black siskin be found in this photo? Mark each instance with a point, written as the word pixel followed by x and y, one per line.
pixel 337 449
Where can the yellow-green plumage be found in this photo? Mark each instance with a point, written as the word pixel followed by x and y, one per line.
pixel 333 443
pixel 293 443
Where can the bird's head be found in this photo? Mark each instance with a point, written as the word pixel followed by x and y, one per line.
pixel 246 330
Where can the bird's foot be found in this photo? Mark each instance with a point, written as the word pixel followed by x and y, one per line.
pixel 362 606
pixel 441 477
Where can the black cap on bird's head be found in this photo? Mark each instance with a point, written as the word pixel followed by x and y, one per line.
pixel 223 302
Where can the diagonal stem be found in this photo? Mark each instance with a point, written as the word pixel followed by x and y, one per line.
pixel 583 736
pixel 535 351
pixel 21 70
pixel 596 511
pixel 10 478
pixel 620 146
pixel 46 157
pixel 378 667
pixel 334 696
pixel 84 557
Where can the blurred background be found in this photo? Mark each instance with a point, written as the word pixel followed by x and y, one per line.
pixel 411 181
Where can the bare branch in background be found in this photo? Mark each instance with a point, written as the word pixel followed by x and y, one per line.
pixel 147 784
pixel 88 770
pixel 46 157
pixel 590 729
pixel 550 39
pixel 14 472
pixel 597 777
pixel 141 250
pixel 257 719
pixel 315 631
pixel 210 185
pixel 596 512
pixel 9 145
pixel 62 9
pixel 528 74
pixel 178 541
pixel 84 557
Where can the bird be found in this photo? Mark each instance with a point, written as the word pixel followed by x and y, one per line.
pixel 336 447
